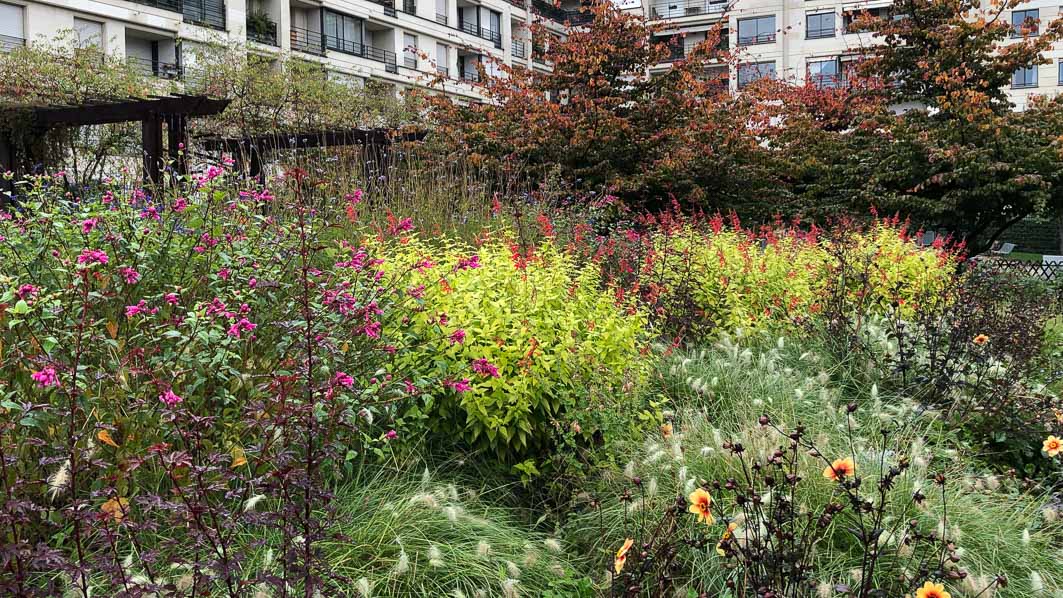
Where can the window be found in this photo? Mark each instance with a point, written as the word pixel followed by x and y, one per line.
pixel 441 12
pixel 1060 79
pixel 343 33
pixel 820 25
pixel 748 73
pixel 89 33
pixel 1024 21
pixel 849 22
pixel 11 32
pixel 409 44
pixel 758 30
pixel 1024 78
pixel 825 74
pixel 442 59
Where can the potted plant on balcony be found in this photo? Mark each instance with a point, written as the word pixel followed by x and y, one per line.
pixel 261 28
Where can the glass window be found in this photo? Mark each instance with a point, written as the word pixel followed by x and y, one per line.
pixel 1024 21
pixel 820 25
pixel 1025 77
pixel 850 19
pixel 1061 72
pixel 11 24
pixel 825 73
pixel 89 33
pixel 442 58
pixel 757 30
pixel 343 32
pixel 750 72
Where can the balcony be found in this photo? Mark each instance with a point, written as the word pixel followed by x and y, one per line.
pixel 310 42
pixel 261 30
pixel 492 36
pixel 354 48
pixel 760 38
pixel 389 6
pixel 520 50
pixel 443 71
pixel 687 8
pixel 442 18
pixel 209 13
pixel 171 5
pixel 470 76
pixel 560 15
pixel 8 43
pixel 409 61
pixel 155 68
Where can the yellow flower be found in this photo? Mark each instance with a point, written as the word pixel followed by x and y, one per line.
pixel 700 504
pixel 666 430
pixel 981 339
pixel 840 469
pixel 116 508
pixel 932 590
pixel 731 527
pixel 621 555
pixel 1052 445
pixel 105 437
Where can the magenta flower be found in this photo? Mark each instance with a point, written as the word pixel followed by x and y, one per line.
pixel 458 385
pixel 372 330
pixel 26 291
pixel 252 282
pixel 409 387
pixel 484 367
pixel 130 275
pixel 150 213
pixel 172 298
pixel 458 336
pixel 243 325
pixel 224 273
pixel 88 224
pixel 140 308
pixel 391 435
pixel 180 204
pixel 469 263
pixel 343 379
pixel 92 256
pixel 45 378
pixel 170 398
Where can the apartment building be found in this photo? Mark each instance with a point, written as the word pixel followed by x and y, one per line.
pixel 402 42
pixel 811 40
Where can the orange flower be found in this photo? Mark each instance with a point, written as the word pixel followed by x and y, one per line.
pixel 105 437
pixel 621 555
pixel 1052 445
pixel 981 339
pixel 239 459
pixel 116 508
pixel 731 527
pixel 932 590
pixel 700 504
pixel 666 430
pixel 840 469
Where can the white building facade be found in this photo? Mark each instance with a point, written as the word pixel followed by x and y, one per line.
pixel 403 42
pixel 810 40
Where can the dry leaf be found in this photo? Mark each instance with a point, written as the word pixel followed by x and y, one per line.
pixel 104 436
pixel 238 457
pixel 112 329
pixel 116 508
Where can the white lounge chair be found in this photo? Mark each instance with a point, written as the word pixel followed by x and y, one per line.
pixel 1003 250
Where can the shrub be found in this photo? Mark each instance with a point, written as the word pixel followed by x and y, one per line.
pixel 548 348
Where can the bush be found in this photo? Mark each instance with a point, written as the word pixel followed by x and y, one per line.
pixel 550 349
pixel 720 395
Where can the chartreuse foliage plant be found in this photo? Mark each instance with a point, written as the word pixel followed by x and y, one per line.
pixel 531 343
pixel 730 401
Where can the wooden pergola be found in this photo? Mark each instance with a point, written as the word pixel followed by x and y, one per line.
pixel 173 111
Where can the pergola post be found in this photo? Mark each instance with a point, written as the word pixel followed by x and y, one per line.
pixel 176 137
pixel 151 129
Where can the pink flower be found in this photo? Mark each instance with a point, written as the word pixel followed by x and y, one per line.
pixel 172 298
pixel 243 325
pixel 458 336
pixel 343 379
pixel 458 385
pixel 180 204
pixel 409 387
pixel 26 291
pixel 372 330
pixel 416 292
pixel 140 308
pixel 199 249
pixel 92 256
pixel 354 198
pixel 252 283
pixel 45 378
pixel 170 398
pixel 150 213
pixel 469 263
pixel 130 275
pixel 484 367
pixel 391 435
pixel 224 273
pixel 88 224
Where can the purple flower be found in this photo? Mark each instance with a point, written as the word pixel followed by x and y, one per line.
pixel 458 336
pixel 468 263
pixel 88 224
pixel 130 275
pixel 45 378
pixel 26 291
pixel 92 256
pixel 343 379
pixel 243 325
pixel 458 385
pixel 391 435
pixel 484 367
pixel 170 398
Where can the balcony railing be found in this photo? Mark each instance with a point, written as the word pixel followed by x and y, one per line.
pixel 678 9
pixel 443 71
pixel 155 68
pixel 555 13
pixel 409 61
pixel 262 32
pixel 409 6
pixel 359 49
pixel 519 49
pixel 8 43
pixel 470 76
pixel 490 35
pixel 210 13
pixel 760 38
pixel 517 3
pixel 171 5
pixel 311 42
pixel 441 18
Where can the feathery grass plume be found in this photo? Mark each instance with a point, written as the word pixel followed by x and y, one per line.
pixel 402 566
pixel 363 587
pixel 249 504
pixel 512 570
pixel 552 545
pixel 1026 536
pixel 1037 583
pixel 435 556
pixel 425 500
pixel 509 588
pixel 629 470
pixel 58 481
pixel 483 549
